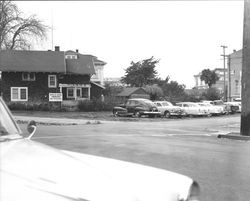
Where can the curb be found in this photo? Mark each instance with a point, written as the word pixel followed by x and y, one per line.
pixel 234 136
pixel 54 121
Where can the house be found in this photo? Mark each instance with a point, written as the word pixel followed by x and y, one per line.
pixel 133 92
pixel 47 76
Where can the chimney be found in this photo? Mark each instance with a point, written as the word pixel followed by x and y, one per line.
pixel 57 48
pixel 234 50
pixel 76 50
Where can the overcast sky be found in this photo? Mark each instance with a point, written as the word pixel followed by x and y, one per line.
pixel 185 35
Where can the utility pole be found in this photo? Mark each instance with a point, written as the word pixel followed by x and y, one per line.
pixel 245 83
pixel 224 71
pixel 229 77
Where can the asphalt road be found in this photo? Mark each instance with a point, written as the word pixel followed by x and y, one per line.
pixel 189 146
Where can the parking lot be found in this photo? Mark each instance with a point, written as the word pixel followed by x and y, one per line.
pixel 188 146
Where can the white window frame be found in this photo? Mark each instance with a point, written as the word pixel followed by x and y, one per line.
pixel 74 92
pixel 68 92
pixel 49 84
pixel 71 56
pixel 19 94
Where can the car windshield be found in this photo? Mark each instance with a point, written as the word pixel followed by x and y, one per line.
pixel 7 123
pixel 192 105
pixel 167 104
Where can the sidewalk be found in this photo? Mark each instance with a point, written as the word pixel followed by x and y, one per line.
pixel 54 121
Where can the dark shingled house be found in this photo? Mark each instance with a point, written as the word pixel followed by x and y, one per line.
pixel 47 76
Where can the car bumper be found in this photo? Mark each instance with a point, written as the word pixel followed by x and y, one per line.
pixel 150 113
pixel 177 114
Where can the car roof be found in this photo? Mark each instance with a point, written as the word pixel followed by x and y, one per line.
pixel 162 101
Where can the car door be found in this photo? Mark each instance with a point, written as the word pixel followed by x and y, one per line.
pixel 130 105
pixel 159 107
pixel 187 108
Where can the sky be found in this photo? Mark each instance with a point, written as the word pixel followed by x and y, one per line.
pixel 185 36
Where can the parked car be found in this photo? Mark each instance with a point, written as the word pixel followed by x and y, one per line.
pixel 235 107
pixel 137 107
pixel 229 107
pixel 192 109
pixel 218 103
pixel 212 109
pixel 168 110
pixel 34 171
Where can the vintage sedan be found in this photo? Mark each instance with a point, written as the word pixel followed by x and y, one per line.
pixel 192 109
pixel 137 107
pixel 168 110
pixel 34 171
pixel 211 109
pixel 234 107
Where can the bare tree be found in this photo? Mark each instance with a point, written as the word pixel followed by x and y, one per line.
pixel 16 31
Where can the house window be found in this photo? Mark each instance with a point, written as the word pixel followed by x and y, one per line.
pixel 28 77
pixel 85 92
pixel 19 93
pixel 71 57
pixel 70 93
pixel 52 81
pixel 78 92
pixel 74 92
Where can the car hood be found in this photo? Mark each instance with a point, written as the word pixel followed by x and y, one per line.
pixel 34 171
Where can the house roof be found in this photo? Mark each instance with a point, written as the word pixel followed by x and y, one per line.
pixel 129 90
pixel 32 61
pixel 83 65
pixel 45 61
pixel 237 54
pixel 97 84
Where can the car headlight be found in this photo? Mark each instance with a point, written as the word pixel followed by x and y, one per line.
pixel 194 192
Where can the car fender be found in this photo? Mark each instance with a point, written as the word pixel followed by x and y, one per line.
pixel 119 109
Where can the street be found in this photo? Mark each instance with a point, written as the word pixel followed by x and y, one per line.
pixel 186 146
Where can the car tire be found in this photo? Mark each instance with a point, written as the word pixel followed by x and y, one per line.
pixel 167 114
pixel 137 114
pixel 115 113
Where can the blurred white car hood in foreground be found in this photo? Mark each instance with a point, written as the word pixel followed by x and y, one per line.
pixel 31 171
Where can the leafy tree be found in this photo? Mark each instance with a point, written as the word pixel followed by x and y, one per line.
pixel 141 73
pixel 209 77
pixel 16 30
pixel 173 90
pixel 154 91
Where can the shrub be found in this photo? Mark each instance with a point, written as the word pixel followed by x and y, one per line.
pixel 33 106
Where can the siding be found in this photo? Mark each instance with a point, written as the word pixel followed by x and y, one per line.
pixel 38 90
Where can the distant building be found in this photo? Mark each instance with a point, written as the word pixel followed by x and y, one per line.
pixel 133 92
pixel 218 85
pixel 233 85
pixel 113 81
pixel 235 74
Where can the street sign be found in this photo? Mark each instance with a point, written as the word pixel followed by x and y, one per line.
pixel 55 97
